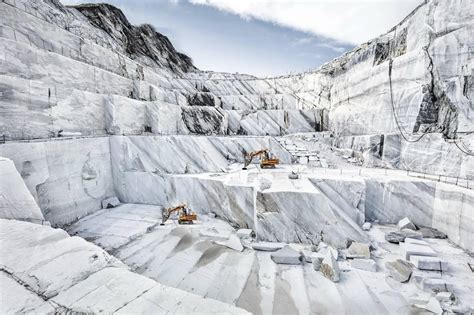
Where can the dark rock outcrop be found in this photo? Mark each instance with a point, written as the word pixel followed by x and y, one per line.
pixel 138 41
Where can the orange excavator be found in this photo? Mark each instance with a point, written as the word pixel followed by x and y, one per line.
pixel 266 161
pixel 185 216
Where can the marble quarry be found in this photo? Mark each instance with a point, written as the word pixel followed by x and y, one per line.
pixel 104 125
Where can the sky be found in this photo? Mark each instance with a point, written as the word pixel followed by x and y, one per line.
pixel 265 37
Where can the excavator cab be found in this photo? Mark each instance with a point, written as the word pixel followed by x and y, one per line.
pixel 266 161
pixel 185 215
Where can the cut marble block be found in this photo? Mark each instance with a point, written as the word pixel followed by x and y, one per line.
pixel 111 202
pixel 358 250
pixel 268 246
pixel 429 263
pixel 399 236
pixel 405 223
pixel 286 255
pixel 435 284
pixel 399 269
pixel 444 296
pixel 415 241
pixel 408 250
pixel 330 268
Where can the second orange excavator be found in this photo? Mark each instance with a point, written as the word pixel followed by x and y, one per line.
pixel 266 160
pixel 184 215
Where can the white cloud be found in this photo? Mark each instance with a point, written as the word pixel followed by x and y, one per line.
pixel 333 45
pixel 350 21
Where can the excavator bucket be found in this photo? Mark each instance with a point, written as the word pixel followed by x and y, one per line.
pixel 246 163
pixel 165 215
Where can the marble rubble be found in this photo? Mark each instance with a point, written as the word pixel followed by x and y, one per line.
pixel 399 269
pixel 209 270
pixel 110 202
pixel 329 267
pixel 358 250
pixel 286 255
pixel 366 226
pixel 405 223
pixel 436 285
pixel 400 236
pixel 103 124
pixel 268 246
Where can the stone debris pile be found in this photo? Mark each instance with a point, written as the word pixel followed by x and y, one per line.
pixel 399 270
pixel 111 202
pixel 306 150
pixel 330 268
pixel 420 264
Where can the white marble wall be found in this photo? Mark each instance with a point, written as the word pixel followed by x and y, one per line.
pixel 186 154
pixel 453 213
pixel 346 195
pixel 389 200
pixel 67 178
pixel 432 154
pixel 304 217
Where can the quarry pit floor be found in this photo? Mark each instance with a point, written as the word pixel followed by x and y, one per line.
pixel 190 257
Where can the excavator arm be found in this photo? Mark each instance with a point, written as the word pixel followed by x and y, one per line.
pixel 185 215
pixel 249 157
pixel 165 215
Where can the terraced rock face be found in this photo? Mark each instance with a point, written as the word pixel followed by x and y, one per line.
pixel 86 70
